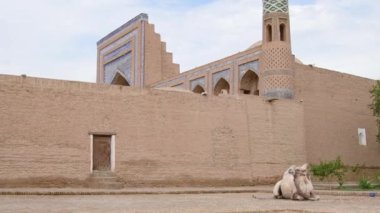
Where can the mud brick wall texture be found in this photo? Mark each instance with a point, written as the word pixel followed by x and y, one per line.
pixel 335 106
pixel 163 137
pixel 169 138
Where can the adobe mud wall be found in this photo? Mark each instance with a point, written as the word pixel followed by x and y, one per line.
pixel 335 106
pixel 163 137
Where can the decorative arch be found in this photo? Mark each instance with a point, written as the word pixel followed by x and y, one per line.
pixel 222 87
pixel 199 89
pixel 119 79
pixel 282 32
pixel 269 33
pixel 249 83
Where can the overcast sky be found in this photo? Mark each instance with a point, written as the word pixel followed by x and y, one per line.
pixel 57 38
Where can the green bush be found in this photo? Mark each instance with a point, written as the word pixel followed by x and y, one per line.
pixel 365 183
pixel 326 169
pixel 322 171
pixel 375 106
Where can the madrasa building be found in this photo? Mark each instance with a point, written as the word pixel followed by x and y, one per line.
pixel 241 120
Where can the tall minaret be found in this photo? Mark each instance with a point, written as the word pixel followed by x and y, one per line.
pixel 277 60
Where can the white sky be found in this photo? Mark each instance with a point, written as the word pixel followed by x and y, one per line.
pixel 57 38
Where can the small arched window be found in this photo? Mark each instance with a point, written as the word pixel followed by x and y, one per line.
pixel 282 32
pixel 269 33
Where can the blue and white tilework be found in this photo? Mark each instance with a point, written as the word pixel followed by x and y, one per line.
pixel 222 74
pixel 122 64
pixel 253 66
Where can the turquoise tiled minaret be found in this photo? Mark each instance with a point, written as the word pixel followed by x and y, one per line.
pixel 276 60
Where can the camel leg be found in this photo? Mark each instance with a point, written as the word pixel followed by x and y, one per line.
pixel 277 190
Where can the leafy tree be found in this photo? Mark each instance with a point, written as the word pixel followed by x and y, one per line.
pixel 375 106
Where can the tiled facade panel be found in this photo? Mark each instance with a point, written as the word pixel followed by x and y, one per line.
pixel 116 52
pixel 200 81
pixel 225 74
pixel 122 64
pixel 253 66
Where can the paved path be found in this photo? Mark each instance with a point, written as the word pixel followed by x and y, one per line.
pixel 134 191
pixel 237 202
pixel 167 190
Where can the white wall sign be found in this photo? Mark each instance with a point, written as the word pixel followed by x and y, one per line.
pixel 362 136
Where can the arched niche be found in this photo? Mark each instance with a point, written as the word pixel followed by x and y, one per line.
pixel 198 89
pixel 269 36
pixel 249 84
pixel 282 32
pixel 222 87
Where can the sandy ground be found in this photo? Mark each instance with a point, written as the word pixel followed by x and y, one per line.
pixel 244 202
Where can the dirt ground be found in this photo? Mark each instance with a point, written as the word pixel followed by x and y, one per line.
pixel 244 202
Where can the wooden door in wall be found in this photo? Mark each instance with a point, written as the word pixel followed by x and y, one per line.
pixel 102 153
